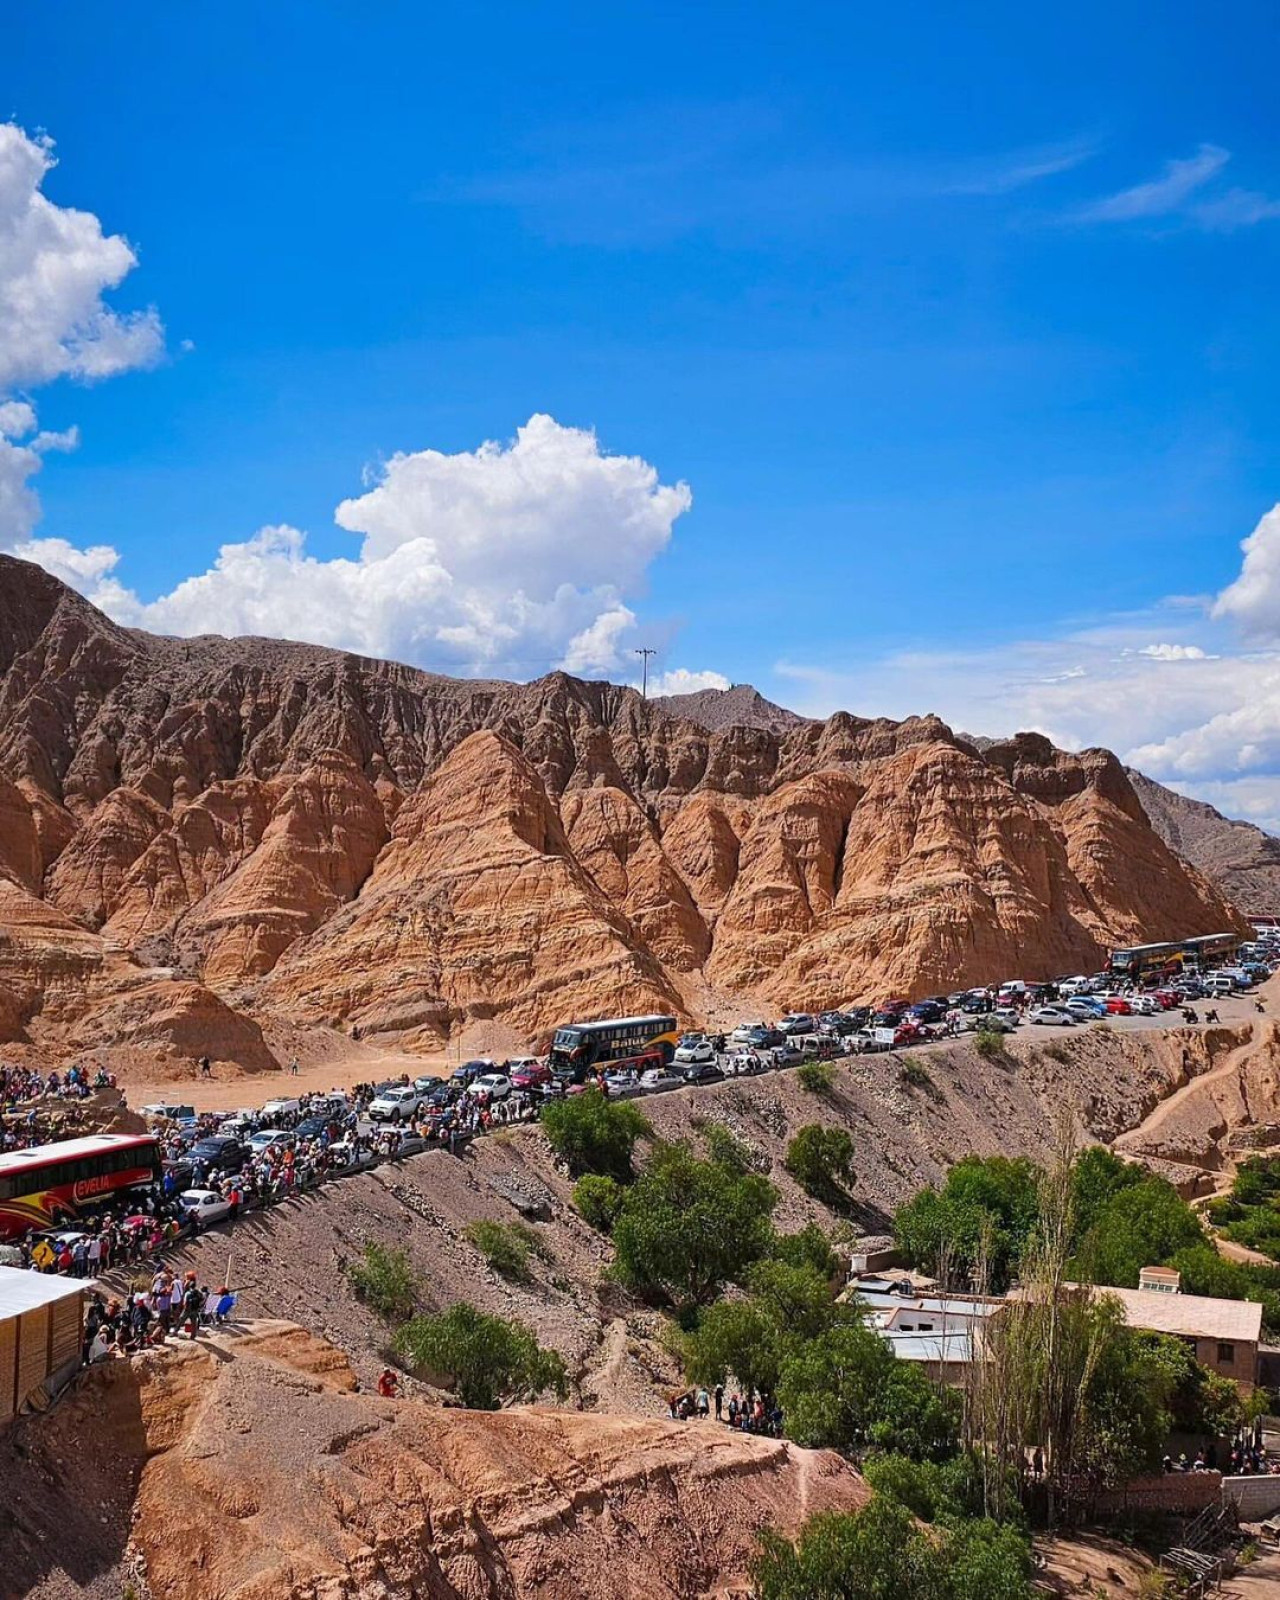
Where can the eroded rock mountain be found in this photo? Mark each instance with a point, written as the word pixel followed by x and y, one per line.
pixel 196 834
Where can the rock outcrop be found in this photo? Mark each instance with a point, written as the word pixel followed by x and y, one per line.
pixel 252 1470
pixel 310 837
pixel 1241 860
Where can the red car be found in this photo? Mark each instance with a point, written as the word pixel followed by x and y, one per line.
pixel 1166 999
pixel 910 1033
pixel 1118 1006
pixel 532 1076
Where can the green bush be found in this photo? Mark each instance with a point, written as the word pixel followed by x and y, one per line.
pixel 484 1360
pixel 593 1134
pixel 599 1200
pixel 687 1227
pixel 506 1246
pixel 820 1159
pixel 989 1044
pixel 384 1280
pixel 881 1553
pixel 818 1077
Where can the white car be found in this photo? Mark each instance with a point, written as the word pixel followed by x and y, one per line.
pixel 1143 1005
pixel 657 1080
pixel 1053 1017
pixel 694 1053
pixel 495 1084
pixel 281 1108
pixel 265 1138
pixel 799 1022
pixel 205 1204
pixel 743 1032
pixel 399 1104
pixel 1076 985
pixel 522 1064
pixel 1009 1014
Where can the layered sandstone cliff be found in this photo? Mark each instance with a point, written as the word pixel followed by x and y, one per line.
pixel 280 831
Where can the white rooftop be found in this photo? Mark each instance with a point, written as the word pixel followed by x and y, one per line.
pixel 27 1291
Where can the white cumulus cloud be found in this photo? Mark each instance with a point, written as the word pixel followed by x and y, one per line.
pixel 509 559
pixel 56 264
pixel 680 680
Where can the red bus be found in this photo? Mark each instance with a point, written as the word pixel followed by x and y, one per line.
pixel 53 1183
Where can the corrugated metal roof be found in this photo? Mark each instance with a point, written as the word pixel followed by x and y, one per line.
pixel 27 1291
pixel 930 1346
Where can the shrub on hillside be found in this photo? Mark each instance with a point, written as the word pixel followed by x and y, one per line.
pixel 506 1246
pixel 593 1134
pixel 384 1280
pixel 818 1077
pixel 820 1159
pixel 484 1360
pixel 989 1044
pixel 599 1200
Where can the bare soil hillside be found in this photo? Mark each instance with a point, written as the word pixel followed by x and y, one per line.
pixel 1242 860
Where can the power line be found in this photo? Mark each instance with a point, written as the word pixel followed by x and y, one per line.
pixel 644 654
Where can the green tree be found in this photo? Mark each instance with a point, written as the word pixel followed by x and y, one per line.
pixel 809 1247
pixel 989 1202
pixel 829 1388
pixel 881 1553
pixel 687 1227
pixel 820 1159
pixel 593 1134
pixel 384 1279
pixel 599 1199
pixel 483 1359
pixel 915 1416
pixel 1097 1176
pixel 751 1338
pixel 1139 1226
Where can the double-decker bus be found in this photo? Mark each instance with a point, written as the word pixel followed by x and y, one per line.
pixel 53 1183
pixel 580 1048
pixel 1144 960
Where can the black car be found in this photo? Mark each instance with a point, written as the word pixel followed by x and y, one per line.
pixel 927 1011
pixel 837 1022
pixel 313 1127
pixel 217 1154
pixel 976 1006
pixel 702 1072
pixel 858 1017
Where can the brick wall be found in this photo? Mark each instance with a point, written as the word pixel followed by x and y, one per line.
pixel 1169 1491
pixel 1257 1498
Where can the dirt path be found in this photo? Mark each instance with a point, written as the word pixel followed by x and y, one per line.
pixel 1145 1133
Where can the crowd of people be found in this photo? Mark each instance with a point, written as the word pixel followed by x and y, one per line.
pixel 172 1307
pixel 37 1108
pixel 750 1413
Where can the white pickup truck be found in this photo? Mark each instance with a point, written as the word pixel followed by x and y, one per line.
pixel 275 1109
pixel 398 1104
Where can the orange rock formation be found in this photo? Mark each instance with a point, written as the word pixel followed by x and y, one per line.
pixel 197 835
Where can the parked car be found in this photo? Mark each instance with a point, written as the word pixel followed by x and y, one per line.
pixel 217 1153
pixel 659 1079
pixel 927 1011
pixel 623 1084
pixel 1118 1005
pixel 494 1084
pixel 400 1104
pixel 765 1038
pixel 702 1072
pixel 693 1051
pixel 470 1070
pixel 994 1022
pixel 744 1064
pixel 836 1022
pixel 1009 1014
pixel 1053 1016
pixel 206 1205
pixel 167 1111
pixel 427 1082
pixel 796 1023
pixel 1085 1007
pixel 529 1073
pixel 270 1138
pixel 742 1033
pixel 274 1110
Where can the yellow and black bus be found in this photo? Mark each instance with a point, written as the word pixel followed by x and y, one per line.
pixel 581 1048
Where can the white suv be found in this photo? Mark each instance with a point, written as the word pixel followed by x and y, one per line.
pixel 400 1104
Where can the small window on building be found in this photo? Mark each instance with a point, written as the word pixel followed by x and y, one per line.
pixel 1227 1354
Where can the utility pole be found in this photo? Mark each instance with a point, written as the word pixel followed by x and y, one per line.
pixel 644 680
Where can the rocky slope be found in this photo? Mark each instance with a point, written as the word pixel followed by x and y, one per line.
pixel 253 1470
pixel 1241 860
pixel 201 837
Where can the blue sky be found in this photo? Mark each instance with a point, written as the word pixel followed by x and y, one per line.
pixel 962 334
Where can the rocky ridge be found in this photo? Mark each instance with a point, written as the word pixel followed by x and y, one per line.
pixel 200 836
